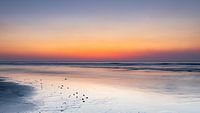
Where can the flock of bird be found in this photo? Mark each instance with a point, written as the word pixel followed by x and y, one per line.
pixel 61 91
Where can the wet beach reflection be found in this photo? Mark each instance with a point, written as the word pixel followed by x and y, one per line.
pixel 73 89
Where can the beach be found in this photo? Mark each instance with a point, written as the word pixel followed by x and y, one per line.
pixel 99 88
pixel 14 96
pixel 99 56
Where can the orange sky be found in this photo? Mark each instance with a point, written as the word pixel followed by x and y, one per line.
pixel 97 37
pixel 97 40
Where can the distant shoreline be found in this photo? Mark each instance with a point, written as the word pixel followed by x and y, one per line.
pixel 147 66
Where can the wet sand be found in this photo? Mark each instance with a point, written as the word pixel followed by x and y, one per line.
pixel 13 96
pixel 56 89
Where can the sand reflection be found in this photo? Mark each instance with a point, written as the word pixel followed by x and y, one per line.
pixel 90 90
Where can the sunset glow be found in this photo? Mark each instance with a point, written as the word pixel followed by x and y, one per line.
pixel 105 30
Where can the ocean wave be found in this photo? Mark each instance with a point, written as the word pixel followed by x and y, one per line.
pixel 154 66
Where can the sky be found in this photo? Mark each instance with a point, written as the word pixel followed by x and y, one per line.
pixel 100 30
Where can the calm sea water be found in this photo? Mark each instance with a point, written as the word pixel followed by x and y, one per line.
pixel 102 87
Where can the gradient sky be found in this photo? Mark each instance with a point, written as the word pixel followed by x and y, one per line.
pixel 103 30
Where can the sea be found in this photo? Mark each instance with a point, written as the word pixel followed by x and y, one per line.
pixel 99 87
